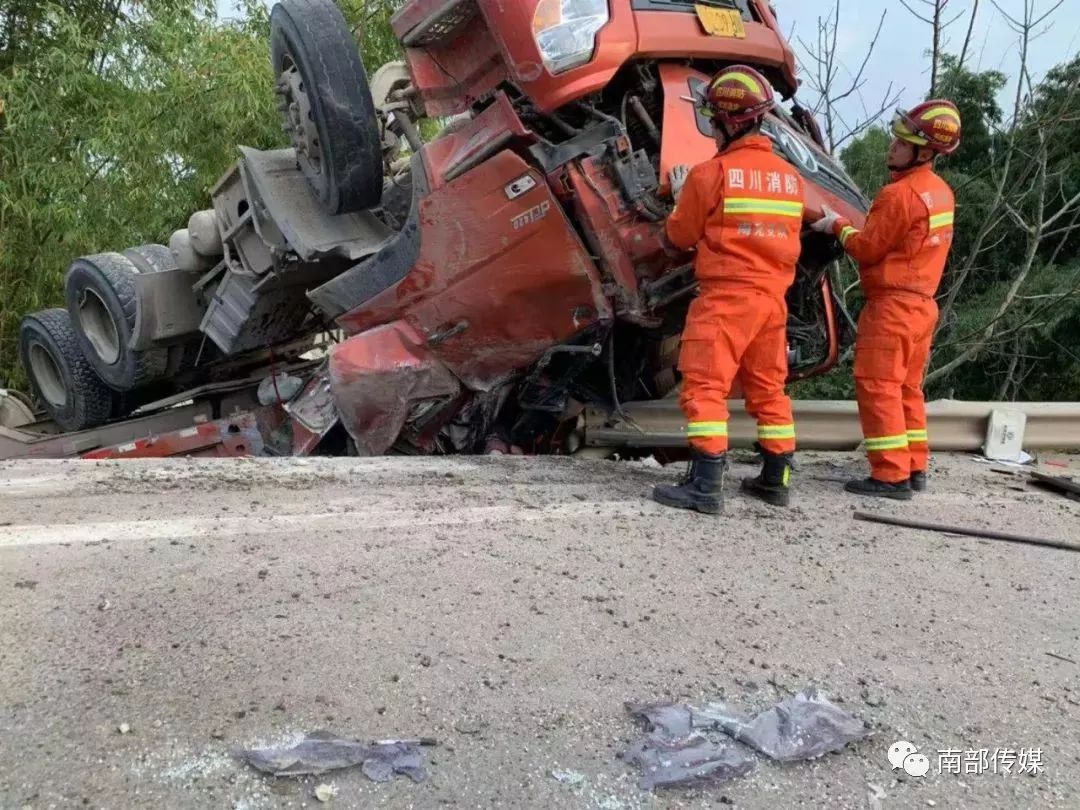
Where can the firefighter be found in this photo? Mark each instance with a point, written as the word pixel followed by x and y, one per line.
pixel 901 254
pixel 742 210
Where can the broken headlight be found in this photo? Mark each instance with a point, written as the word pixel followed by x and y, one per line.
pixel 565 31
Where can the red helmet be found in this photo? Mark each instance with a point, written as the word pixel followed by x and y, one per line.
pixel 934 124
pixel 738 95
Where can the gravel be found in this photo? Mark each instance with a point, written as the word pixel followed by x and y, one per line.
pixel 509 607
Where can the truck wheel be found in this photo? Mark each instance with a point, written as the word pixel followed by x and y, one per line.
pixel 326 105
pixel 60 376
pixel 101 299
pixel 151 258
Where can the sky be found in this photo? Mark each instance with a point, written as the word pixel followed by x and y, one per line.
pixel 900 54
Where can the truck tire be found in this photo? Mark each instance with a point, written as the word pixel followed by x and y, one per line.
pixel 151 258
pixel 326 104
pixel 101 300
pixel 60 376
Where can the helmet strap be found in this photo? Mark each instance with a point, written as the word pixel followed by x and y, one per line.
pixel 914 162
pixel 742 132
pixel 911 164
pixel 747 129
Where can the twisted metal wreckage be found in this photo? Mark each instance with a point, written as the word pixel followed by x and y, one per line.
pixel 484 289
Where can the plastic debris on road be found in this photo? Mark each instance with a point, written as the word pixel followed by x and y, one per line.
pixel 672 755
pixel 671 719
pixel 321 752
pixel 686 746
pixel 688 762
pixel 805 726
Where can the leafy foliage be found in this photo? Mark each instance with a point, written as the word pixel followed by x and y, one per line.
pixel 1010 299
pixel 117 118
pixel 370 22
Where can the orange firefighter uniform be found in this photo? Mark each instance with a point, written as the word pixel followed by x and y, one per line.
pixel 743 211
pixel 901 254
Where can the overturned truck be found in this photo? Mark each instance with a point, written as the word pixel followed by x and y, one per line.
pixel 363 291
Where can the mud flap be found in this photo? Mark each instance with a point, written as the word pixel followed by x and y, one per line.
pixel 378 376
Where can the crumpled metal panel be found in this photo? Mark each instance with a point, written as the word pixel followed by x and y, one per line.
pixel 377 376
pixel 312 412
pixel 498 281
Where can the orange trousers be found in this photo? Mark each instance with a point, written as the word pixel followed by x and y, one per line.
pixel 729 335
pixel 892 350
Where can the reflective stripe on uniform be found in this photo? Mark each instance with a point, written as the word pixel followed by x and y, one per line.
pixel 917 436
pixel 942 220
pixel 706 430
pixel 753 205
pixel 846 233
pixel 776 431
pixel 887 442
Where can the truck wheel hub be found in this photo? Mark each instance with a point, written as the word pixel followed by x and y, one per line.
pixel 299 119
pixel 99 328
pixel 47 376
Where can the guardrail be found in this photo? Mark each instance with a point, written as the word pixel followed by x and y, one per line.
pixel 829 425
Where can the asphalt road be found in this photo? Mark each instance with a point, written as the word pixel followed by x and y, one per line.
pixel 508 607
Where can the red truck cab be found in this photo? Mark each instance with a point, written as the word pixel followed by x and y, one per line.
pixel 557 52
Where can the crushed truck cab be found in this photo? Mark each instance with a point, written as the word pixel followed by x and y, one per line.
pixel 490 283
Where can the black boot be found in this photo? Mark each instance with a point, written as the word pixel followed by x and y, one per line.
pixel 773 484
pixel 702 489
pixel 918 481
pixel 873 488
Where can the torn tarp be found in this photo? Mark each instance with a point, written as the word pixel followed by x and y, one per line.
pixel 685 762
pixel 670 755
pixel 668 719
pixel 320 752
pixel 805 726
pixel 684 746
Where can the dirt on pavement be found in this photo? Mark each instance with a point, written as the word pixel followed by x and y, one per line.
pixel 155 616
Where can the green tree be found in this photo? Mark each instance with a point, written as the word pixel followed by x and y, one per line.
pixel 116 126
pixel 1011 294
pixel 864 159
pixel 370 23
pixel 976 95
pixel 116 119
